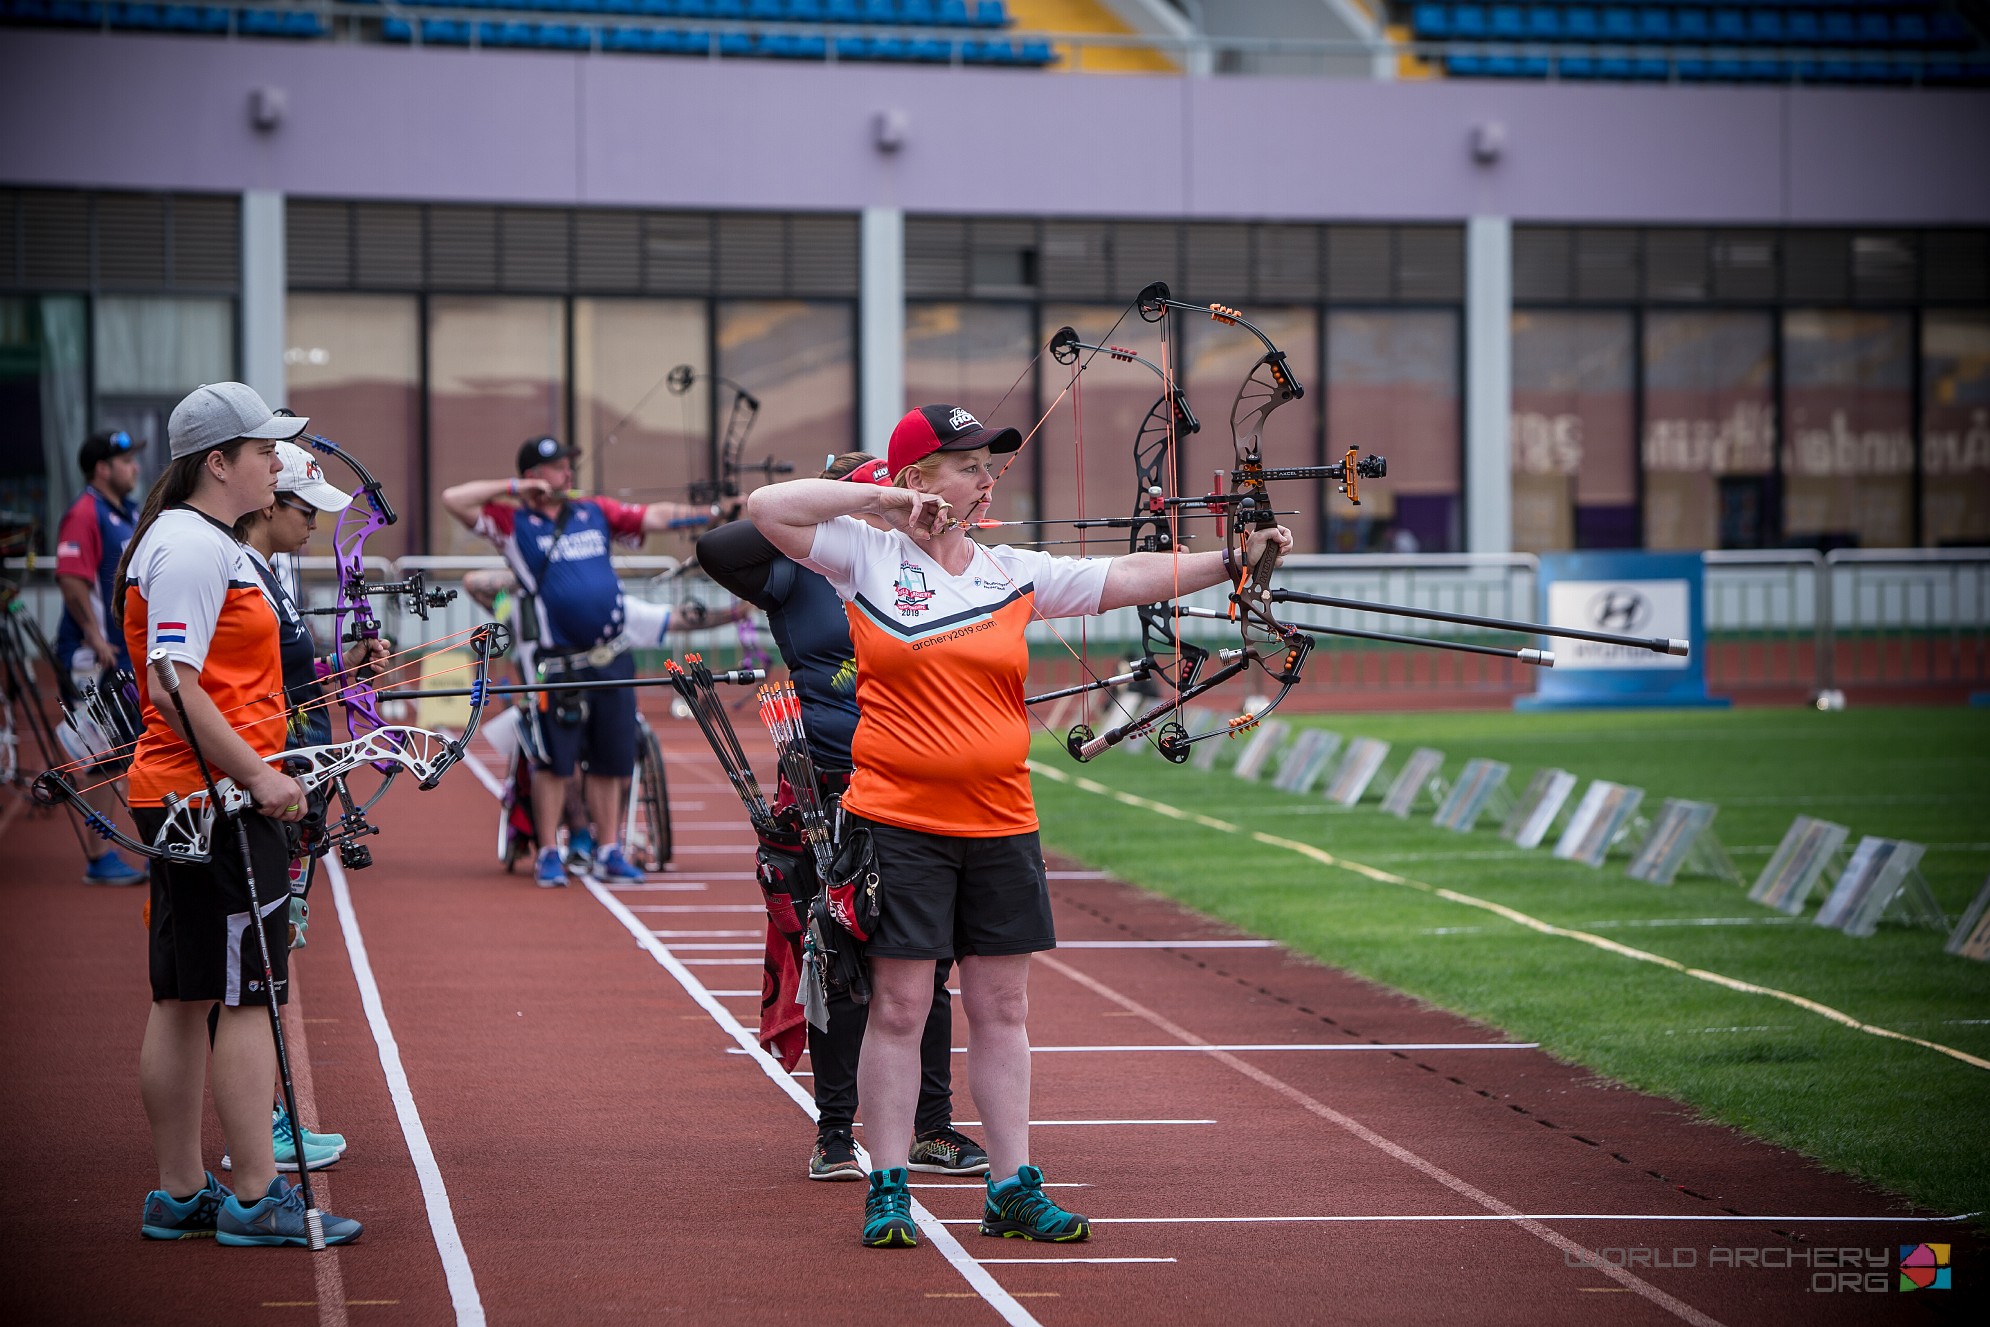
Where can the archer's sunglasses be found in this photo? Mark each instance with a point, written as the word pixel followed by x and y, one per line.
pixel 304 509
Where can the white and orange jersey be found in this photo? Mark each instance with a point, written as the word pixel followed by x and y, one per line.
pixel 193 592
pixel 942 737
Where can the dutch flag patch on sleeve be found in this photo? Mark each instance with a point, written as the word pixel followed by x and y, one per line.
pixel 170 633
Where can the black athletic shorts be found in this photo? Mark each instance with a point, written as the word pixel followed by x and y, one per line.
pixel 201 944
pixel 951 897
pixel 594 729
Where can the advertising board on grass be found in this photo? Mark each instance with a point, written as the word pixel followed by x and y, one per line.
pixel 1647 595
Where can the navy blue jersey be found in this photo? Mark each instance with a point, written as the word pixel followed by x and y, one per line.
pixel 310 722
pixel 809 626
pixel 564 565
pixel 88 546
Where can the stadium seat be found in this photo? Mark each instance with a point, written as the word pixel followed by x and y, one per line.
pixel 1465 66
pixel 1948 30
pixel 916 13
pixel 953 14
pixel 1910 29
pixel 1766 26
pixel 995 14
pixel 1507 23
pixel 1875 28
pixel 1431 22
pixel 394 29
pixel 877 11
pixel 1655 24
pixel 694 8
pixel 445 32
pixel 1576 68
pixel 853 48
pixel 150 18
pixel 1650 69
pixel 1730 26
pixel 1037 53
pixel 1619 25
pixel 1692 69
pixel 1468 22
pixel 1800 26
pixel 623 7
pixel 841 11
pixel 1581 24
pixel 735 44
pixel 1838 28
pixel 932 51
pixel 1544 23
pixel 767 11
pixel 1692 25
pixel 1614 67
pixel 805 11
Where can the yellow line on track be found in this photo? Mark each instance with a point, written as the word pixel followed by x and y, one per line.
pixel 1514 915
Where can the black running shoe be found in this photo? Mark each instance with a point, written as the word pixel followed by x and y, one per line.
pixel 947 1151
pixel 835 1157
pixel 1017 1209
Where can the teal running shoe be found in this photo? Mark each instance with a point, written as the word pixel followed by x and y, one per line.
pixel 313 1141
pixel 888 1212
pixel 166 1217
pixel 276 1219
pixel 316 1158
pixel 552 872
pixel 1017 1209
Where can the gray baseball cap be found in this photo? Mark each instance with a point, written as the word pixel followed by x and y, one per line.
pixel 221 412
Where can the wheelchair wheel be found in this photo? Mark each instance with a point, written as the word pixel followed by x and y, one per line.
pixel 518 837
pixel 648 812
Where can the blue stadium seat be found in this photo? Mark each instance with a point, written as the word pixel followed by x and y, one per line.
pixel 1724 70
pixel 767 11
pixel 1839 30
pixel 1730 26
pixel 445 32
pixel 1910 29
pixel 303 26
pixel 1581 25
pixel 853 48
pixel 1650 69
pixel 895 49
pixel 1036 53
pixel 916 13
pixel 1507 24
pixel 1615 67
pixel 730 10
pixel 735 44
pixel 1948 29
pixel 1692 69
pixel 1431 22
pixel 1619 25
pixel 841 11
pixel 953 14
pixel 694 8
pixel 877 11
pixel 396 29
pixel 995 14
pixel 150 18
pixel 807 48
pixel 1766 26
pixel 1801 28
pixel 1468 22
pixel 657 8
pixel 625 40
pixel 1760 70
pixel 1465 66
pixel 1544 23
pixel 805 11
pixel 1692 25
pixel 1875 28
pixel 932 51
pixel 623 7
pixel 1576 68
pixel 1655 24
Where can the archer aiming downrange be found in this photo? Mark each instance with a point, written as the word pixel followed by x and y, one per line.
pixel 941 781
pixel 192 592
pixel 558 545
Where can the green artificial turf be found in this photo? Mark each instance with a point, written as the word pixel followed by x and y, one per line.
pixel 1901 1116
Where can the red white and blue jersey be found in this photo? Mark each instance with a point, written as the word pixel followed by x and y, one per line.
pixel 88 545
pixel 564 565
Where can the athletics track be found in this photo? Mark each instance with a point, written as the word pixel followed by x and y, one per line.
pixel 556 1117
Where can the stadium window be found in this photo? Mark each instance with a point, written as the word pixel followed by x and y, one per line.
pixel 970 355
pixel 148 351
pixel 1218 359
pixel 353 364
pixel 1709 430
pixel 497 376
pixel 44 409
pixel 1394 374
pixel 1848 451
pixel 640 441
pixel 1090 421
pixel 1575 482
pixel 800 359
pixel 1955 429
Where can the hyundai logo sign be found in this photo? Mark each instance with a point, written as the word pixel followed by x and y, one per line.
pixel 1619 609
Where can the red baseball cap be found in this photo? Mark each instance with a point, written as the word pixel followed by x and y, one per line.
pixel 872 471
pixel 944 428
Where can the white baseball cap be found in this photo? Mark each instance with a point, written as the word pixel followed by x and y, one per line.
pixel 221 412
pixel 302 475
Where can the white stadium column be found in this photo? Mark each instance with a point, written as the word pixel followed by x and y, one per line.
pixel 264 276
pixel 881 326
pixel 1488 384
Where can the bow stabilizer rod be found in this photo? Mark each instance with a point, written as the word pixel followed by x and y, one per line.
pixel 1655 644
pixel 1537 658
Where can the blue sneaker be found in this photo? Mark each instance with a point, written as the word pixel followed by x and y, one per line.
pixel 166 1217
pixel 275 1219
pixel 611 866
pixel 580 851
pixel 313 1142
pixel 888 1212
pixel 316 1157
pixel 552 871
pixel 1017 1209
pixel 111 869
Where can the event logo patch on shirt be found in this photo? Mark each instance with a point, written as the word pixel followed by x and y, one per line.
pixel 911 587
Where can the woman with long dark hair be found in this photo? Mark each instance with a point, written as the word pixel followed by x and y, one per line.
pixel 186 587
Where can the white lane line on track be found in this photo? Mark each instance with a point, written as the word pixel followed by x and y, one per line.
pixel 1287 1046
pixel 727 962
pixel 1719 1218
pixel 1672 1304
pixel 738 994
pixel 980 1281
pixel 663 887
pixel 757 947
pixel 1514 915
pixel 1167 944
pixel 456 1271
pixel 1064 1262
pixel 1052 1124
pixel 697 907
